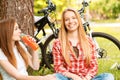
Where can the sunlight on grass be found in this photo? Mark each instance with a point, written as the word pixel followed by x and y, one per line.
pixel 113 54
pixel 114 31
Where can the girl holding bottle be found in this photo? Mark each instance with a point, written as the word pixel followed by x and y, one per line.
pixel 14 57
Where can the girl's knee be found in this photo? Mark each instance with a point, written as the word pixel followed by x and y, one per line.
pixel 104 76
pixel 109 76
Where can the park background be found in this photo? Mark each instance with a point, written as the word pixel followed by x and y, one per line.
pixel 97 9
pixel 100 13
pixel 103 15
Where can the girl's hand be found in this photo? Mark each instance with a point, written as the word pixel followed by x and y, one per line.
pixel 77 78
pixel 73 76
pixel 31 38
pixel 50 77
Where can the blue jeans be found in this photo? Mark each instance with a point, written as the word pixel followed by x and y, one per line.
pixel 103 76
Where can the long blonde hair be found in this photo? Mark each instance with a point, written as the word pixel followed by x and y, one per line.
pixel 6 33
pixel 84 43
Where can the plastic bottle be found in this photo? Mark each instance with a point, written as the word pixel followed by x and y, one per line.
pixel 28 40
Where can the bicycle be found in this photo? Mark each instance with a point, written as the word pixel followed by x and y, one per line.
pixel 103 49
pixel 40 23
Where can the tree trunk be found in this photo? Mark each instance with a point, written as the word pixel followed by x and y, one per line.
pixel 22 10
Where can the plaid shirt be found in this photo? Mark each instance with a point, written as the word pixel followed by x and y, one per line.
pixel 78 64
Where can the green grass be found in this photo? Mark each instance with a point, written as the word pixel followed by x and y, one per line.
pixel 104 64
pixel 108 20
pixel 114 31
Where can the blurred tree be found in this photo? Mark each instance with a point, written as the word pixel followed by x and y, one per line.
pixel 105 9
pixel 100 9
pixel 60 5
pixel 22 10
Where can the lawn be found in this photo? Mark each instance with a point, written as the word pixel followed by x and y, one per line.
pixel 106 64
pixel 114 31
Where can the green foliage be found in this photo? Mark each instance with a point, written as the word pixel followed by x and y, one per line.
pixel 38 5
pixel 106 8
pixel 60 5
pixel 43 71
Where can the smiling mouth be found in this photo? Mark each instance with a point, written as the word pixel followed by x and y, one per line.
pixel 71 26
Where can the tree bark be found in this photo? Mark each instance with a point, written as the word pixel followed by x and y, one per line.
pixel 22 10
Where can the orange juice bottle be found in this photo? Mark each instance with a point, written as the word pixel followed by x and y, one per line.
pixel 28 40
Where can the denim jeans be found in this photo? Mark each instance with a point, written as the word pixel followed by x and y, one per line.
pixel 103 76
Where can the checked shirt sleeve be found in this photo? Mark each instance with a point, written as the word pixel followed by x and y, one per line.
pixel 93 68
pixel 58 58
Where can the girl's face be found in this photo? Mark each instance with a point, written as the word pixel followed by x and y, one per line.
pixel 16 33
pixel 71 21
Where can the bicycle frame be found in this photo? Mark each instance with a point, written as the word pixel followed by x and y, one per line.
pixel 40 22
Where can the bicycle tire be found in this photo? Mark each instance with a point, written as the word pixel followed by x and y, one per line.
pixel 109 46
pixel 42 63
pixel 109 37
pixel 47 56
pixel 47 52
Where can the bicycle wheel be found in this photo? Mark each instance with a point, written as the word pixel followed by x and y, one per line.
pixel 42 63
pixel 47 55
pixel 108 51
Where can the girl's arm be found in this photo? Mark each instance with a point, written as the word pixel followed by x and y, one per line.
pixel 33 59
pixel 11 70
pixel 93 64
pixel 59 63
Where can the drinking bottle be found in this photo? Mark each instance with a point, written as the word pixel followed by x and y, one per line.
pixel 29 41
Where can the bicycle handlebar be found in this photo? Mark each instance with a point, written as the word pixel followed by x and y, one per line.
pixel 85 4
pixel 51 7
